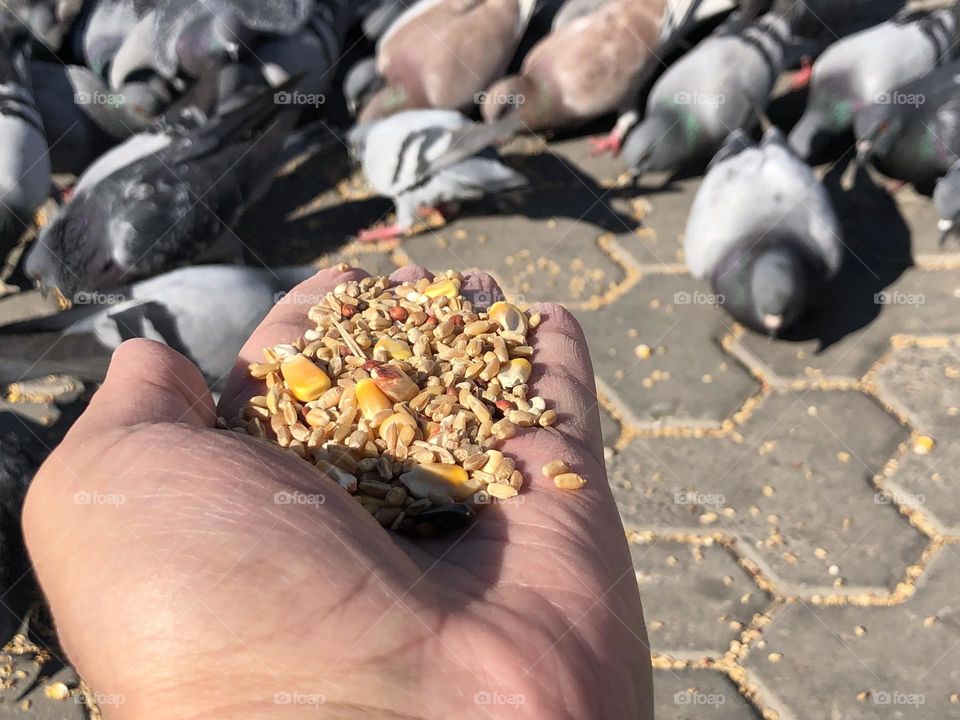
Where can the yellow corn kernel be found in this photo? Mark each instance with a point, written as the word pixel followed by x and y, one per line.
pixel 923 445
pixel 515 372
pixel 395 383
pixel 406 427
pixel 440 479
pixel 306 381
pixel 371 399
pixel 509 317
pixel 396 349
pixel 448 287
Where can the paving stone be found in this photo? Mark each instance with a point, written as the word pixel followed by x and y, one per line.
pixel 696 598
pixel 698 695
pixel 923 382
pixel 795 490
pixel 550 253
pixel 920 302
pixel 864 663
pixel 24 690
pixel 687 379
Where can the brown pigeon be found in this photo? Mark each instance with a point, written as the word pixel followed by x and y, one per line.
pixel 591 64
pixel 443 53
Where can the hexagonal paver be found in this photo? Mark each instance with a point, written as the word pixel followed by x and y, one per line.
pixel 922 381
pixel 657 353
pixel 918 303
pixel 861 663
pixel 696 599
pixel 555 255
pixel 698 695
pixel 794 488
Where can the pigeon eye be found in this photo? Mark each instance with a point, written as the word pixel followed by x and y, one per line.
pixel 882 127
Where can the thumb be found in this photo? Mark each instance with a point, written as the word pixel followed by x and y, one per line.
pixel 148 382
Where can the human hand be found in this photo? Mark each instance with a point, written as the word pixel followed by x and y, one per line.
pixel 180 586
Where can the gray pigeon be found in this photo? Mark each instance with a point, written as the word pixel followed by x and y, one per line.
pixel 204 312
pixel 79 112
pixel 101 29
pixel 946 197
pixel 186 24
pixel 913 134
pixel 859 69
pixel 24 156
pixel 708 93
pixel 361 82
pixel 422 158
pixel 175 204
pixel 763 230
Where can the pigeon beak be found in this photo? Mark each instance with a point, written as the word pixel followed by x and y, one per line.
pixel 945 227
pixel 773 323
pixel 864 150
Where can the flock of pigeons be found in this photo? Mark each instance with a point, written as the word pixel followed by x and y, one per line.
pixel 175 115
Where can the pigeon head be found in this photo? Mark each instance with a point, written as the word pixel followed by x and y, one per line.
pixel 361 83
pixel 876 128
pixel 946 197
pixel 767 285
pixel 71 255
pixel 210 40
pixel 512 94
pixel 658 144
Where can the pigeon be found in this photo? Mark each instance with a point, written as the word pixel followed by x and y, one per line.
pixel 442 53
pixel 101 29
pixel 79 113
pixel 205 312
pixel 594 64
pixel 913 134
pixel 22 451
pixel 177 200
pixel 421 158
pixel 762 229
pixel 24 156
pixel 360 83
pixel 709 92
pixel 859 69
pixel 946 198
pixel 186 28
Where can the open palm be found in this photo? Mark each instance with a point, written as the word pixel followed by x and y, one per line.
pixel 184 587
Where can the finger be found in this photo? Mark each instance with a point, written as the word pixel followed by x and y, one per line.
pixel 285 323
pixel 480 289
pixel 148 382
pixel 410 274
pixel 563 373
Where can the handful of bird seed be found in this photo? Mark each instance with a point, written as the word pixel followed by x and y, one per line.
pixel 401 396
